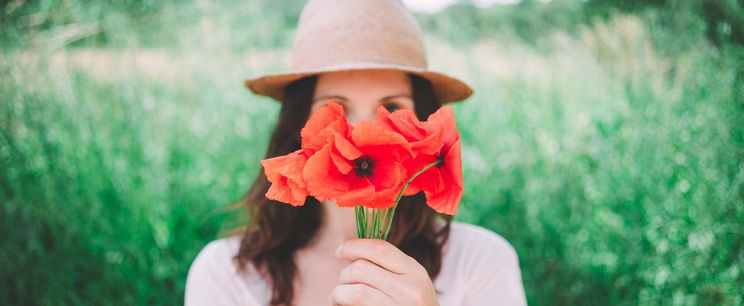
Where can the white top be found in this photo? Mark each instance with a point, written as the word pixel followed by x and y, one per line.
pixel 479 267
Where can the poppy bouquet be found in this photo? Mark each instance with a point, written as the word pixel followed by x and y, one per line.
pixel 371 165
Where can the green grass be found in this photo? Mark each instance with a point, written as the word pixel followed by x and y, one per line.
pixel 613 164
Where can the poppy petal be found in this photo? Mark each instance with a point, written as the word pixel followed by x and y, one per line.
pixel 343 165
pixel 356 196
pixel 444 120
pixel 423 139
pixel 367 133
pixel 346 148
pixel 447 200
pixel 321 126
pixel 323 179
pixel 278 193
pixel 285 174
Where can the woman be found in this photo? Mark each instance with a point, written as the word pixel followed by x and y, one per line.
pixel 361 54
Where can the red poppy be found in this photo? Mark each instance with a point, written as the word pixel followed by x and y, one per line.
pixel 435 139
pixel 425 142
pixel 322 126
pixel 285 174
pixel 367 168
pixel 423 139
pixel 368 164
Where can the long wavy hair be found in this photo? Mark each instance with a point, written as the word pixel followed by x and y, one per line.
pixel 277 230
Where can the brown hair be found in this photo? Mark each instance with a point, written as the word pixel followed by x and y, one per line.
pixel 277 230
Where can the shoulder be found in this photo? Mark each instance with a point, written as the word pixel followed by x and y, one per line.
pixel 480 267
pixel 215 258
pixel 214 279
pixel 474 241
pixel 219 249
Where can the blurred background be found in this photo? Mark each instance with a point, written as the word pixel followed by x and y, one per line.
pixel 605 141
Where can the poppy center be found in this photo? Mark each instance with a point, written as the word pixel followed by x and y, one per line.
pixel 364 166
pixel 441 161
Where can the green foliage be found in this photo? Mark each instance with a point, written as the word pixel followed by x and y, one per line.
pixel 616 181
pixel 110 190
pixel 608 151
pixel 723 20
pixel 466 24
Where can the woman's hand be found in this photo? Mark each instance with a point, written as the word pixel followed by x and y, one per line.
pixel 381 274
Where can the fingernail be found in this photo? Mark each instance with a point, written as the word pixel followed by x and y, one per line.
pixel 338 250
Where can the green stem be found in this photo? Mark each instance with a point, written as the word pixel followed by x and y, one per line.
pixel 373 226
pixel 358 212
pixel 370 222
pixel 400 195
pixel 365 232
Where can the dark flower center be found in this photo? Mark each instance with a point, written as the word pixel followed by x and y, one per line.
pixel 441 159
pixel 364 166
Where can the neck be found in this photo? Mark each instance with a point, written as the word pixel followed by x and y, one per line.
pixel 337 226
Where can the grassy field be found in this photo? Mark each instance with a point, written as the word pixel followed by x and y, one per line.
pixel 610 154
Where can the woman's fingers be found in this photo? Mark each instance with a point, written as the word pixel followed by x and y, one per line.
pixel 362 271
pixel 358 295
pixel 377 251
pixel 380 271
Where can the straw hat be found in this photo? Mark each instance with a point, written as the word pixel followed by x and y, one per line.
pixel 337 35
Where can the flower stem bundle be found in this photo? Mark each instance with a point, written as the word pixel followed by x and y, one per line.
pixel 375 223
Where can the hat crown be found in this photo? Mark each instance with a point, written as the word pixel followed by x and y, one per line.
pixel 339 33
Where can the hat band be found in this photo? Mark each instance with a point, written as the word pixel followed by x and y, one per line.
pixel 357 66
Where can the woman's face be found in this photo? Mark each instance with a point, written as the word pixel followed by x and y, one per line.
pixel 361 92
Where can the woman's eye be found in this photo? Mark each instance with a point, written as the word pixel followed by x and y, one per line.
pixel 392 107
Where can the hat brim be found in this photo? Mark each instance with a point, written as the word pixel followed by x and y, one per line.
pixel 446 88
